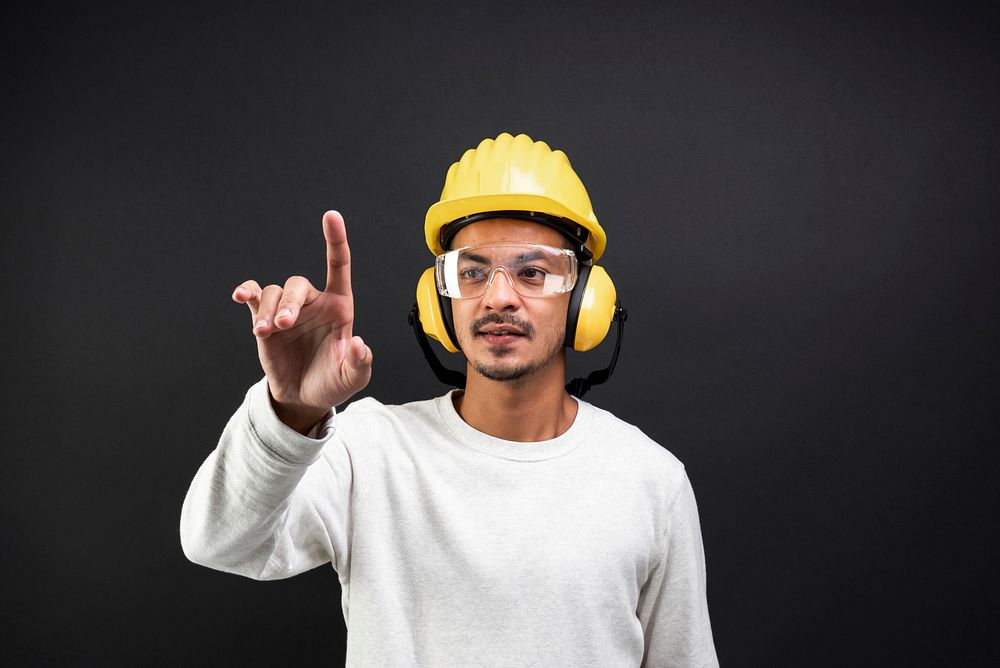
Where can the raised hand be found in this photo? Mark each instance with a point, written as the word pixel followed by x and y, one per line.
pixel 305 337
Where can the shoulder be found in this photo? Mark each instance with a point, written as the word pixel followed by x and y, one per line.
pixel 369 415
pixel 624 448
pixel 368 433
pixel 372 407
pixel 628 439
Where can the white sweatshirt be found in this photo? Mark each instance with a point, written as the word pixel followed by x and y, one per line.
pixel 455 548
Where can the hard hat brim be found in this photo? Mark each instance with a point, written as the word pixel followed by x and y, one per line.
pixel 442 213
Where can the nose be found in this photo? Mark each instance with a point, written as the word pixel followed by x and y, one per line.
pixel 500 294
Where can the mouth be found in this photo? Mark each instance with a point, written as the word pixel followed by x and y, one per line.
pixel 500 331
pixel 500 335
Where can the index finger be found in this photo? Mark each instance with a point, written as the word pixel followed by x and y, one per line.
pixel 338 254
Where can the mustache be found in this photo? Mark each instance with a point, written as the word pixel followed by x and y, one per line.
pixel 503 319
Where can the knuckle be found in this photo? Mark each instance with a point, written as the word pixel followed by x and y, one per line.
pixel 270 295
pixel 296 283
pixel 246 291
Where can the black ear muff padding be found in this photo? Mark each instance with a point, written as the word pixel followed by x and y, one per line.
pixel 575 301
pixel 449 320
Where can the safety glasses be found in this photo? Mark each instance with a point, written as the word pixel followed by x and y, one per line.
pixel 532 270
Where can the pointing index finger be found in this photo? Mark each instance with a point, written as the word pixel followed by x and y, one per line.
pixel 338 254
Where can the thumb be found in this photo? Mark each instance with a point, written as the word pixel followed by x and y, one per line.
pixel 357 364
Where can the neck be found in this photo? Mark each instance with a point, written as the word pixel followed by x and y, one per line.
pixel 530 410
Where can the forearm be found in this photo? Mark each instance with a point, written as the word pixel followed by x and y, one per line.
pixel 234 511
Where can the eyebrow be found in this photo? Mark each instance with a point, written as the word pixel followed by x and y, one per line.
pixel 477 258
pixel 528 257
pixel 520 259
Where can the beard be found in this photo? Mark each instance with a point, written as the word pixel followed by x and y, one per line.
pixel 505 373
pixel 496 368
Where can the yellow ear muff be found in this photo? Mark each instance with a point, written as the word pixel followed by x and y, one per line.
pixel 429 311
pixel 594 310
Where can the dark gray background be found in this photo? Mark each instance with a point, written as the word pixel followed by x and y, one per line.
pixel 801 201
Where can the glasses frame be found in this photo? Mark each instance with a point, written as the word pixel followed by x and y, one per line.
pixel 442 283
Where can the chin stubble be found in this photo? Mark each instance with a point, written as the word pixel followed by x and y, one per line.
pixel 507 373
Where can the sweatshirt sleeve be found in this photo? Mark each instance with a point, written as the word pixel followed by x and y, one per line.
pixel 268 502
pixel 673 604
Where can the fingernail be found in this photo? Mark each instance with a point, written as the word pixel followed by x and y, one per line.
pixel 284 313
pixel 261 324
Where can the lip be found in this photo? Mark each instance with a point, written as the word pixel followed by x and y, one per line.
pixel 501 335
pixel 501 330
pixel 501 339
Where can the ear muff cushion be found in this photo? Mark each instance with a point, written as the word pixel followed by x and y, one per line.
pixel 575 300
pixel 592 309
pixel 432 316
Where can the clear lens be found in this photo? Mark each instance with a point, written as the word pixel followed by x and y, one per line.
pixel 532 270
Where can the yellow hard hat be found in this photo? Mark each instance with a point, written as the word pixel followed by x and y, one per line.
pixel 514 174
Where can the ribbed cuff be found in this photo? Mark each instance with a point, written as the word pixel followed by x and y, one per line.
pixel 278 438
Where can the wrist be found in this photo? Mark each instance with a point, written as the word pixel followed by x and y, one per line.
pixel 296 416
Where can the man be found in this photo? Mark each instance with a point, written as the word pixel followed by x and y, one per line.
pixel 508 524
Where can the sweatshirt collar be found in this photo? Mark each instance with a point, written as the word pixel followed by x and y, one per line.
pixel 515 450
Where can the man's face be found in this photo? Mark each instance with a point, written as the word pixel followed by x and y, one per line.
pixel 504 335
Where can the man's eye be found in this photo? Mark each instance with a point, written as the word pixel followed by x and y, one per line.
pixel 472 274
pixel 531 274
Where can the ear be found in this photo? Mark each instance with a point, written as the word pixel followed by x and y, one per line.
pixel 591 309
pixel 434 312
